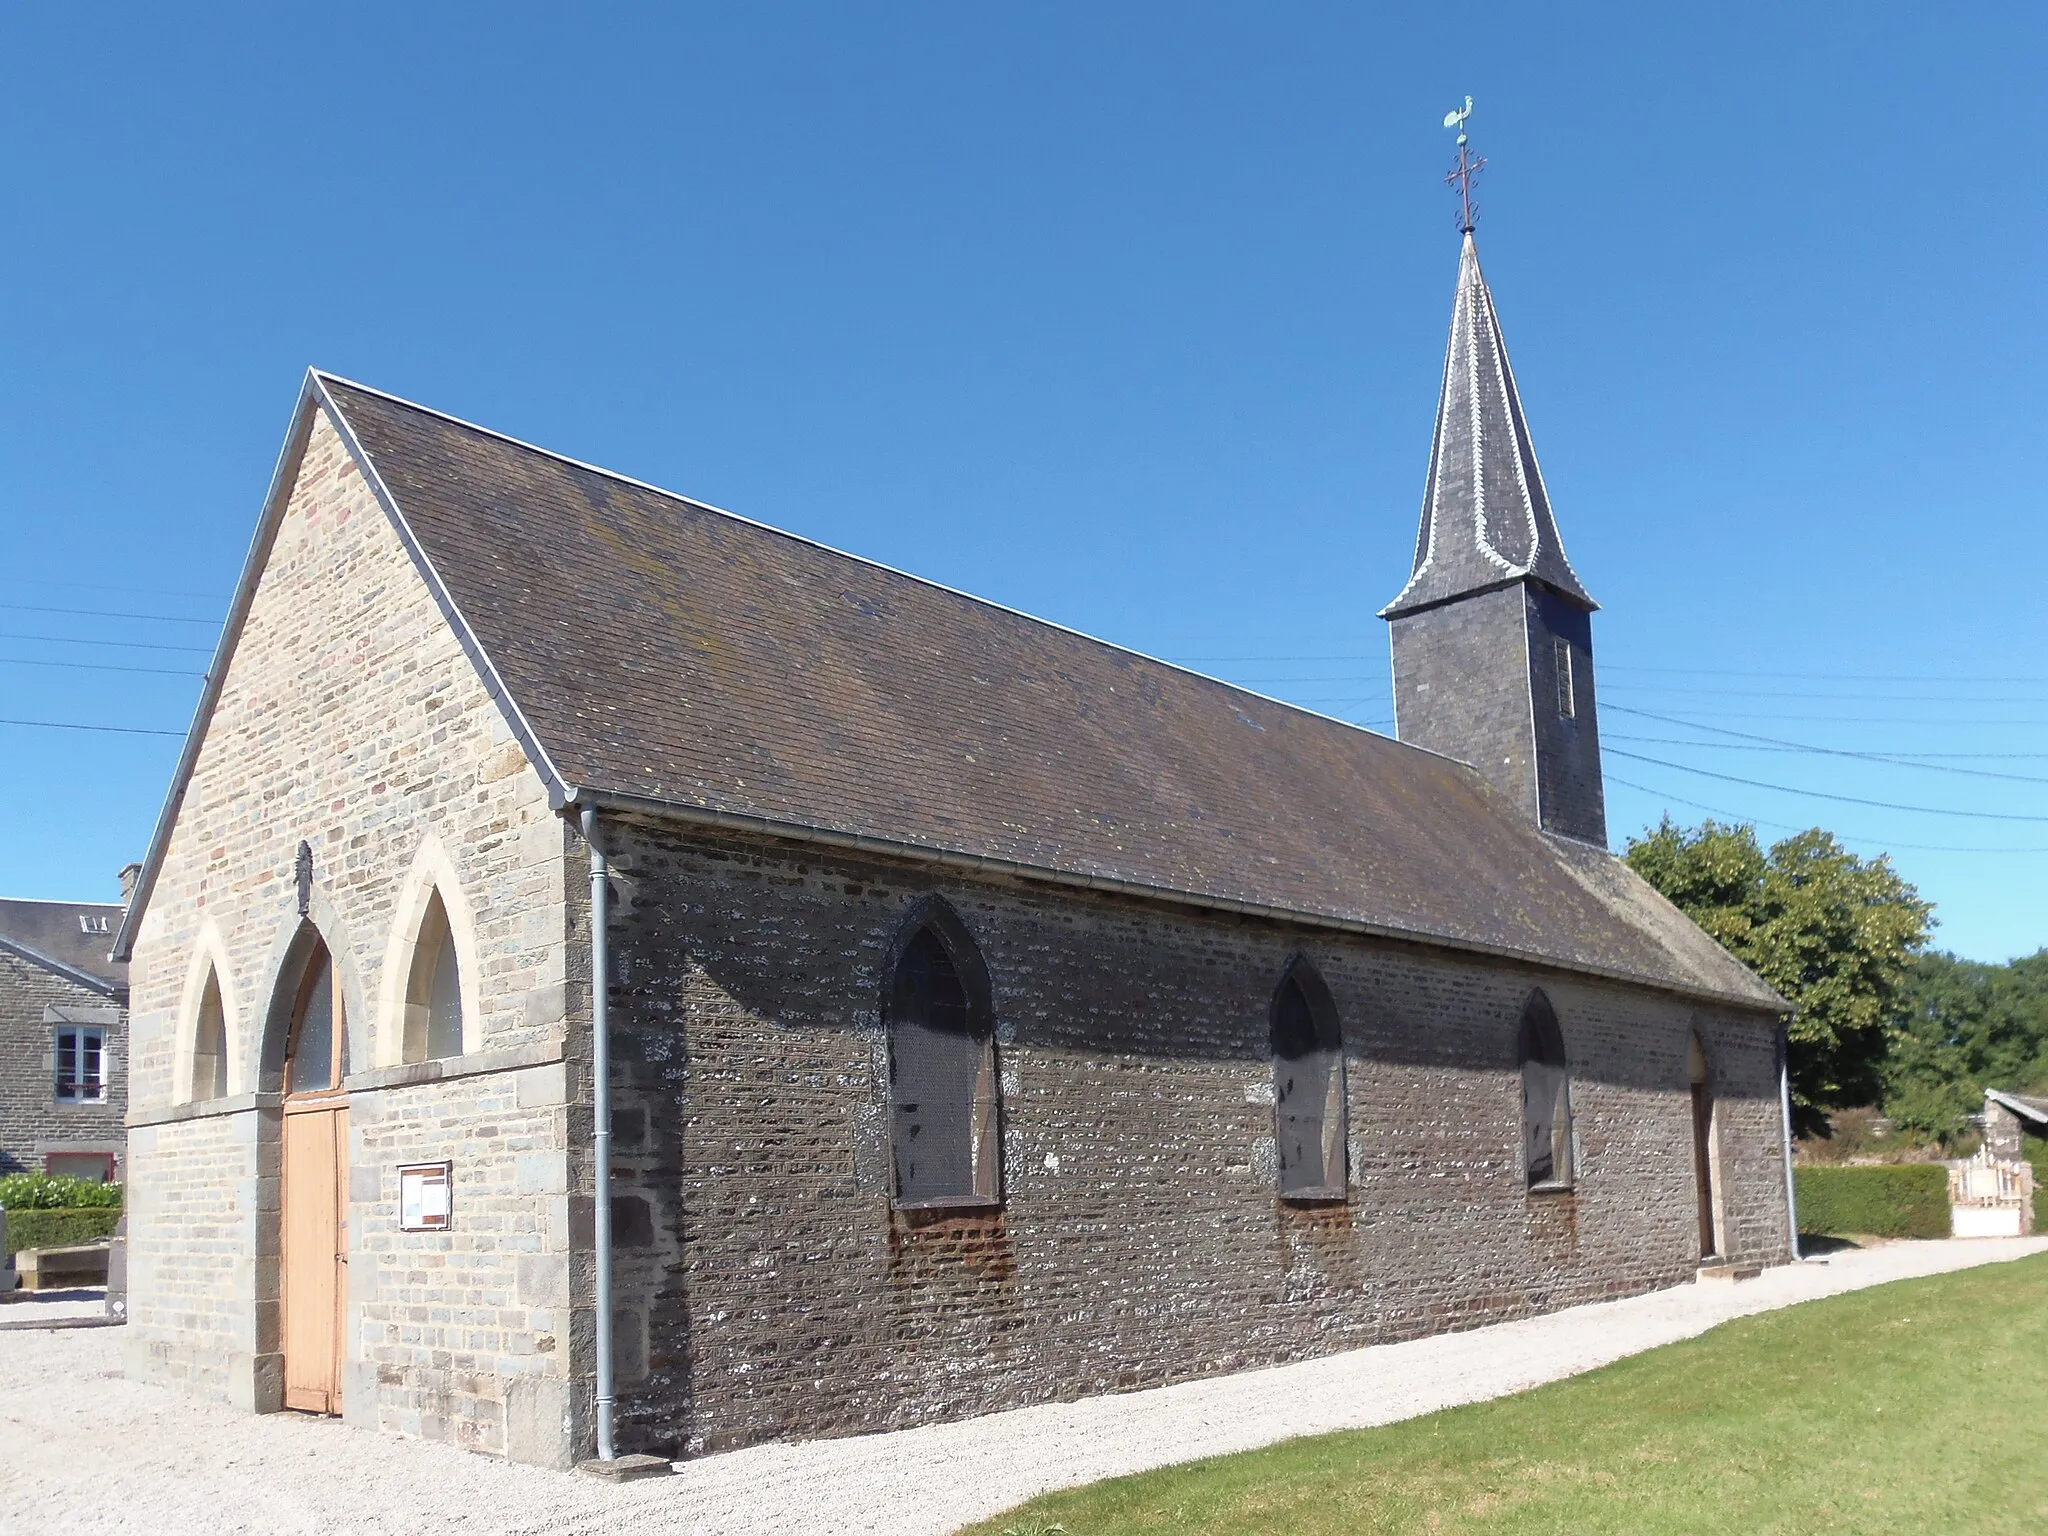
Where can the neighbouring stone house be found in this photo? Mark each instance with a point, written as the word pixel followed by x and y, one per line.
pixel 2012 1123
pixel 1998 1192
pixel 63 1036
pixel 995 1015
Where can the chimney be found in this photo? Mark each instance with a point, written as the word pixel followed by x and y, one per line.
pixel 130 873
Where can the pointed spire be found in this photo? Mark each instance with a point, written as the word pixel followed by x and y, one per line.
pixel 1485 514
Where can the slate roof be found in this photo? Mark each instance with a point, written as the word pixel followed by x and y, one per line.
pixel 50 934
pixel 2034 1110
pixel 1485 512
pixel 658 654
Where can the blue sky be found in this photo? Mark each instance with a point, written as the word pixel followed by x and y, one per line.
pixel 1127 316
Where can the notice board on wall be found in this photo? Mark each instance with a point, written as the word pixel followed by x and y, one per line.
pixel 425 1196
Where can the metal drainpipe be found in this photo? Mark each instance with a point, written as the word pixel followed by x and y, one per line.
pixel 1785 1130
pixel 601 1082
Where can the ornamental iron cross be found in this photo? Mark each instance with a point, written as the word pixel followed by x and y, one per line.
pixel 1466 171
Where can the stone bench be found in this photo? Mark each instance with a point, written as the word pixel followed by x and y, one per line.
pixel 56 1269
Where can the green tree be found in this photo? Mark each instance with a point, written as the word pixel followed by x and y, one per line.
pixel 1835 934
pixel 1965 1026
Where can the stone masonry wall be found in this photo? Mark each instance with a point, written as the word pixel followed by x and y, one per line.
pixel 351 718
pixel 1461 687
pixel 30 1113
pixel 767 1289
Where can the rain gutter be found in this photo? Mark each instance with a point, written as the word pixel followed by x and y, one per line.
pixel 601 1082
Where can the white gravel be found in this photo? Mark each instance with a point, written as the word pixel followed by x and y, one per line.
pixel 82 1449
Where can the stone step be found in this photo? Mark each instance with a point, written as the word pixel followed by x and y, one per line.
pixel 1730 1272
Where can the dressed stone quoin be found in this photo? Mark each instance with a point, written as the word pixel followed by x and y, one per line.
pixel 976 1014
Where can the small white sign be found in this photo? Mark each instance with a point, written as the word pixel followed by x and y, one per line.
pixel 423 1196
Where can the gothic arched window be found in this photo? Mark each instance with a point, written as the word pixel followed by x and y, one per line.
pixel 1546 1097
pixel 944 1105
pixel 317 1057
pixel 433 993
pixel 1308 1088
pixel 210 1043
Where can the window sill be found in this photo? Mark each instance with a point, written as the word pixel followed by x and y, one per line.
pixel 951 1203
pixel 1552 1187
pixel 1314 1196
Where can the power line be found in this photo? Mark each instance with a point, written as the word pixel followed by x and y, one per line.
pixel 1868 757
pixel 126 645
pixel 65 725
pixel 1827 677
pixel 99 613
pixel 96 666
pixel 1821 677
pixel 100 586
pixel 1786 826
pixel 1821 794
pixel 1796 693
pixel 1738 746
pixel 1633 689
pixel 1805 717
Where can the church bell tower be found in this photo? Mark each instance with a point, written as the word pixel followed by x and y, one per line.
pixel 1493 634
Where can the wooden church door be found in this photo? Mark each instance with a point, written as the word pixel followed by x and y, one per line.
pixel 315 1194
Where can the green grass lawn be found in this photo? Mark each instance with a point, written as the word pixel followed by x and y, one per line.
pixel 1909 1408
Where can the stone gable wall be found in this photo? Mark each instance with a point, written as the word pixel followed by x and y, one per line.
pixel 30 1115
pixel 767 1289
pixel 351 718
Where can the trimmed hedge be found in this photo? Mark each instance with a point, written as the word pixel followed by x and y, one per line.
pixel 2035 1149
pixel 42 1192
pixel 59 1229
pixel 1890 1200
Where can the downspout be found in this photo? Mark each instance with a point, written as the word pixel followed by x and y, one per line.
pixel 601 1082
pixel 1785 1131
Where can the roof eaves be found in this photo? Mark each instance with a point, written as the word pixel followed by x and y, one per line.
pixel 282 478
pixel 989 864
pixel 2018 1106
pixel 108 989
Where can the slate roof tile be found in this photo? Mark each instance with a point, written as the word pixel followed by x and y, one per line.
pixel 664 650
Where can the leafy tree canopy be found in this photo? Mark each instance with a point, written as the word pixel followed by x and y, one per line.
pixel 1837 936
pixel 1963 1027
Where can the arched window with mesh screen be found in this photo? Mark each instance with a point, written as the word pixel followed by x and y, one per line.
pixel 1546 1097
pixel 944 1102
pixel 1308 1087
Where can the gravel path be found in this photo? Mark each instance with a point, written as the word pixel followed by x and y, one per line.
pixel 86 1450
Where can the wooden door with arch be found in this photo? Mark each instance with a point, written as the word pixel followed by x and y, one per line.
pixel 313 1261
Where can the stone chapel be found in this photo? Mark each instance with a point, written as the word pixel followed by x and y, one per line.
pixel 585 917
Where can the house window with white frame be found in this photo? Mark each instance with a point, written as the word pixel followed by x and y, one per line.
pixel 81 1062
